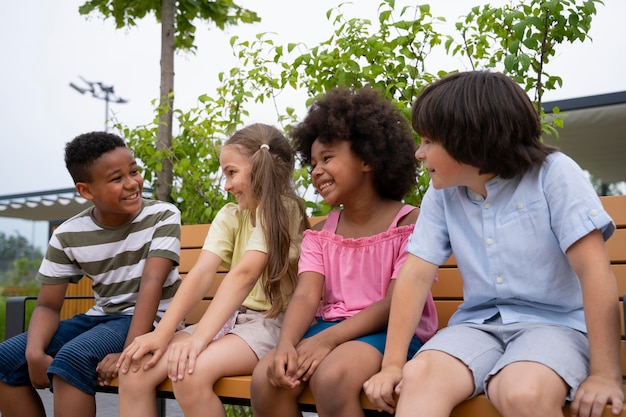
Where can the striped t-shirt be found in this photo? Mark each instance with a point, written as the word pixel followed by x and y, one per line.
pixel 114 257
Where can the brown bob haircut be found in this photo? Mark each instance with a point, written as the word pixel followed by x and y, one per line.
pixel 483 119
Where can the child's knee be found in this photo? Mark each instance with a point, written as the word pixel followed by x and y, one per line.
pixel 418 368
pixel 134 382
pixel 330 377
pixel 260 380
pixel 524 400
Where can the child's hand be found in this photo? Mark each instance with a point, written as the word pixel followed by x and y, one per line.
pixel 283 367
pixel 38 370
pixel 107 369
pixel 149 343
pixel 311 352
pixel 380 388
pixel 594 393
pixel 181 357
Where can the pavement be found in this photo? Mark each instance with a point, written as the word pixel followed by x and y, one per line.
pixel 107 404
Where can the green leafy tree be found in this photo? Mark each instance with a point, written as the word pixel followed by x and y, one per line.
pixel 521 38
pixel 23 274
pixel 391 53
pixel 177 32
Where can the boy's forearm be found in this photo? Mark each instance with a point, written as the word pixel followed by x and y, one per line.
pixel 43 324
pixel 402 325
pixel 146 308
pixel 604 334
pixel 410 293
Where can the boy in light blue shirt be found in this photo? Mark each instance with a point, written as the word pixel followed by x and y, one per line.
pixel 539 324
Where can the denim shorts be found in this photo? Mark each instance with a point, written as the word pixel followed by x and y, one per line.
pixel 377 340
pixel 77 347
pixel 487 348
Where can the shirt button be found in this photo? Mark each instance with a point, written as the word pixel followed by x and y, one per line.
pixel 594 212
pixel 520 206
pixel 499 280
pixel 489 241
pixel 487 205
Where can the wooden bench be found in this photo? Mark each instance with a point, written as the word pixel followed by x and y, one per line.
pixel 447 292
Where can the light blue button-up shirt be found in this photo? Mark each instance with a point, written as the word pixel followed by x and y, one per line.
pixel 510 247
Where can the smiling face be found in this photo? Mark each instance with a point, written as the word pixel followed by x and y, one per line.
pixel 445 171
pixel 238 176
pixel 336 171
pixel 115 187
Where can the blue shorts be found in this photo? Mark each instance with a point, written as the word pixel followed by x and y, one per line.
pixel 77 347
pixel 377 340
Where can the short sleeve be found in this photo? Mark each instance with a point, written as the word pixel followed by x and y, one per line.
pixel 575 208
pixel 220 239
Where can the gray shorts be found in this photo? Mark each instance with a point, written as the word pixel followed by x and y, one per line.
pixel 259 332
pixel 489 347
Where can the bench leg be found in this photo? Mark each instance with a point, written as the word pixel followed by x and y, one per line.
pixel 160 406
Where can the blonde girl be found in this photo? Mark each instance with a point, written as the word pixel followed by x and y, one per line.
pixel 258 240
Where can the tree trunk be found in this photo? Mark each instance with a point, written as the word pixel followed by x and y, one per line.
pixel 164 137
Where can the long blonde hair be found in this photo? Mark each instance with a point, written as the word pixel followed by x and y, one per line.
pixel 273 187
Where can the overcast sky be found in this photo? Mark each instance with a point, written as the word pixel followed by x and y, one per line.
pixel 48 44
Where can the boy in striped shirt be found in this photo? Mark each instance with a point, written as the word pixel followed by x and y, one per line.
pixel 129 247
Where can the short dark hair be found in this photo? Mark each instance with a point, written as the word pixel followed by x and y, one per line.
pixel 85 149
pixel 483 119
pixel 377 131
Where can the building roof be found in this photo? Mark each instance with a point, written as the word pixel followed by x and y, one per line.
pixel 594 134
pixel 52 205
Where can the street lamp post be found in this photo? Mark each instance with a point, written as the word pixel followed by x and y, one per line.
pixel 101 92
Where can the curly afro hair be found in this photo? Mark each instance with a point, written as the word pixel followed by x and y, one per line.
pixel 377 131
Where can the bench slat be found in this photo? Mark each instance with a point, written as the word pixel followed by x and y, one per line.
pixel 194 235
pixel 616 247
pixel 616 207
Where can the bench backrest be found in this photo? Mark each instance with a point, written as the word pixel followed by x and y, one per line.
pixel 447 291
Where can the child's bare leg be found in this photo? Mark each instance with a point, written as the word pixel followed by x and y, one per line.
pixel 269 401
pixel 137 391
pixel 20 401
pixel 69 401
pixel 227 356
pixel 338 381
pixel 433 382
pixel 527 389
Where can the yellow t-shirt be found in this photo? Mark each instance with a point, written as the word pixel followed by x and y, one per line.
pixel 232 233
